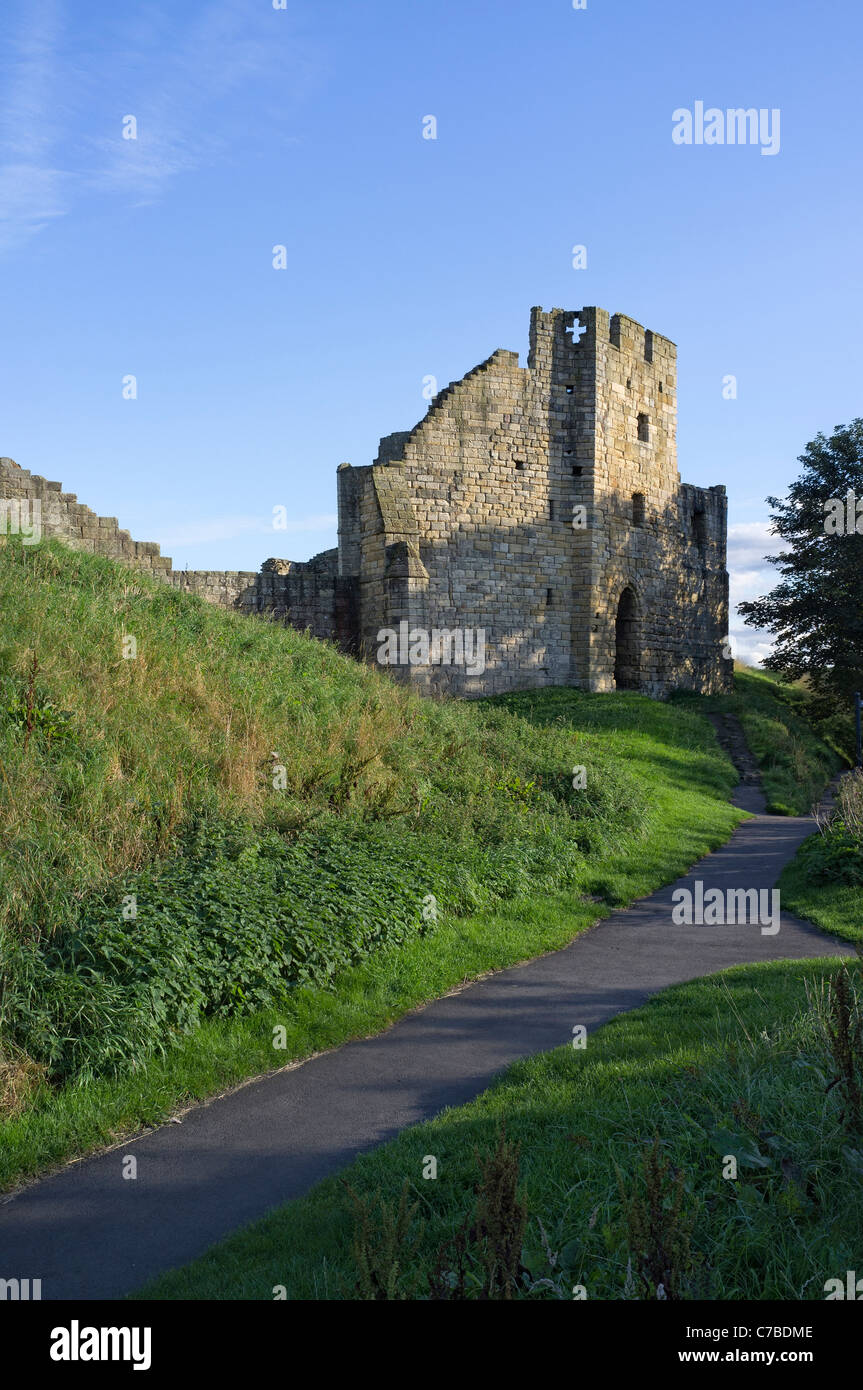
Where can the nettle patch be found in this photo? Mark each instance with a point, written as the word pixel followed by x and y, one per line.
pixel 244 915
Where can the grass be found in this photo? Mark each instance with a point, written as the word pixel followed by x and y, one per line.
pixel 835 907
pixel 824 882
pixel 109 765
pixel 126 752
pixel 734 1064
pixel 688 818
pixel 796 760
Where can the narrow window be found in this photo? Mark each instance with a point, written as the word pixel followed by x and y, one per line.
pixel 648 345
pixel 576 471
pixel 699 528
pixel 569 390
pixel 644 429
pixel 519 463
pixel 638 509
pixel 551 509
pixel 548 599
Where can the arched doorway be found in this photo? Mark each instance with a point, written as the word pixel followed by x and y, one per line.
pixel 627 644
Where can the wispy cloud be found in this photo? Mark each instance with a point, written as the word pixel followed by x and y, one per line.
pixel 174 86
pixel 30 198
pixel 32 190
pixel 197 78
pixel 29 82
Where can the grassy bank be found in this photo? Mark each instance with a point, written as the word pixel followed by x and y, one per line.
pixel 824 882
pixel 796 756
pixel 237 828
pixel 738 1064
pixel 835 907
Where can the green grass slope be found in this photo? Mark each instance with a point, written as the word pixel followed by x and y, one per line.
pixel 834 907
pixel 238 828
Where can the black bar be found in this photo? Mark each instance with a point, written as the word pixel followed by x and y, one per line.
pixel 230 1340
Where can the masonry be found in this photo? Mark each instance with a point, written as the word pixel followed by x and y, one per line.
pixel 540 505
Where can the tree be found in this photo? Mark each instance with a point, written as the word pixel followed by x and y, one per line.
pixel 816 612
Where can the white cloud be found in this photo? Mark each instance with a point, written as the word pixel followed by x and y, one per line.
pixel 29 88
pixel 30 198
pixel 749 645
pixel 750 577
pixel 749 542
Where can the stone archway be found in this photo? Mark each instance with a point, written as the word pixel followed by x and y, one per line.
pixel 627 643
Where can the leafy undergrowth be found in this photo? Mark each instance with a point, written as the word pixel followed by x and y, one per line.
pixel 238 827
pixel 795 750
pixel 623 1153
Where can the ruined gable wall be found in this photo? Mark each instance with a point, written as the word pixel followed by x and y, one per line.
pixel 476 474
pixel 466 521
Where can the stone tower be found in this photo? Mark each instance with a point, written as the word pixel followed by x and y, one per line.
pixel 543 506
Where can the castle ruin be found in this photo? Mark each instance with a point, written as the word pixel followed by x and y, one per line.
pixel 540 506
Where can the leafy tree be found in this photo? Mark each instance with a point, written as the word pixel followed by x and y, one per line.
pixel 816 611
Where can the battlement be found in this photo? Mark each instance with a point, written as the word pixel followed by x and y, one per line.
pixel 588 331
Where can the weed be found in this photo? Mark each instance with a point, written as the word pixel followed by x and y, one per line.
pixel 384 1241
pixel 845 1036
pixel 658 1230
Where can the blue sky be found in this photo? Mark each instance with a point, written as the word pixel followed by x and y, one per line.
pixel 407 257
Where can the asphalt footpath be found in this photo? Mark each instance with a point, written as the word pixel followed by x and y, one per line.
pixel 89 1233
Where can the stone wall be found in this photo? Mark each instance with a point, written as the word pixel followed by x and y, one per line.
pixel 227 588
pixel 64 516
pixel 302 594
